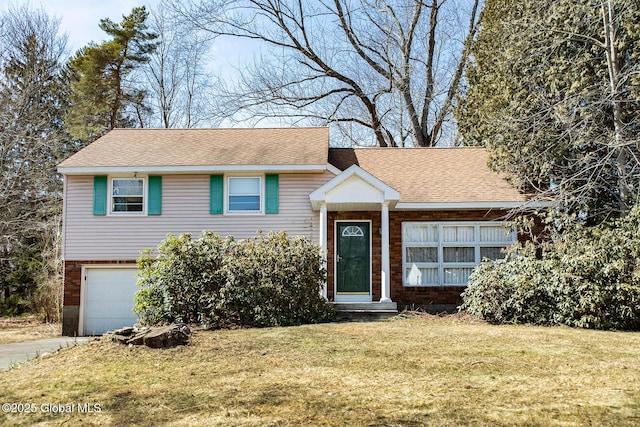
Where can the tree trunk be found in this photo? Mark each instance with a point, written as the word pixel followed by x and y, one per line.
pixel 608 20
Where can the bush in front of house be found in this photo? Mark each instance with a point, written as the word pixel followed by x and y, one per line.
pixel 511 290
pixel 274 280
pixel 588 277
pixel 269 280
pixel 177 285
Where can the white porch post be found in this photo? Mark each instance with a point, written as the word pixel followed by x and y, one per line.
pixel 385 292
pixel 323 242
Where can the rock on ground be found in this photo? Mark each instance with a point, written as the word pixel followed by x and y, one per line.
pixel 154 337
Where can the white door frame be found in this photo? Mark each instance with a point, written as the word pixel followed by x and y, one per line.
pixel 351 298
pixel 83 289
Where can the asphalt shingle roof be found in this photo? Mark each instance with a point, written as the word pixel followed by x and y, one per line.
pixel 421 175
pixel 204 147
pixel 431 175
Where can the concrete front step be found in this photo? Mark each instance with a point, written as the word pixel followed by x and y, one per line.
pixel 372 306
pixel 365 310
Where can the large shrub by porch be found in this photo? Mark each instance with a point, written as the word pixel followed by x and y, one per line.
pixel 268 280
pixel 588 277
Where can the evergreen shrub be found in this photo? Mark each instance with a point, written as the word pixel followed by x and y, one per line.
pixel 269 280
pixel 587 277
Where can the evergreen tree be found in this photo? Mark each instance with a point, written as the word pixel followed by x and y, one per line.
pixel 33 100
pixel 553 93
pixel 103 95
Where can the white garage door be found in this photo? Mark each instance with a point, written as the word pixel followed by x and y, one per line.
pixel 108 299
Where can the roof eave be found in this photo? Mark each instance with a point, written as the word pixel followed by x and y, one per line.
pixel 473 205
pixel 102 170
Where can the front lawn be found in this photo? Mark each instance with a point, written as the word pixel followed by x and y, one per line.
pixel 403 372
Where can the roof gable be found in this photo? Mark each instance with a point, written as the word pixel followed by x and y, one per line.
pixel 353 186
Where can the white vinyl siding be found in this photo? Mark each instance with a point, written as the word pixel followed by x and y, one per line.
pixel 185 209
pixel 445 254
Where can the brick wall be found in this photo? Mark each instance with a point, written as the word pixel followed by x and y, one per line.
pixel 404 296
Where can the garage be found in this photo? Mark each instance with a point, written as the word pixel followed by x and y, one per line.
pixel 108 294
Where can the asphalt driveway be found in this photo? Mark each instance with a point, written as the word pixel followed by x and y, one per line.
pixel 21 351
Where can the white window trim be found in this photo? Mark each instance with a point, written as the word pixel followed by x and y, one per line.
pixel 440 244
pixel 226 186
pixel 145 201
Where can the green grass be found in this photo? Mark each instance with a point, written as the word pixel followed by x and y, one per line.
pixel 404 372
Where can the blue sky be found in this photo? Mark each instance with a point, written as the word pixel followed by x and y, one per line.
pixel 80 18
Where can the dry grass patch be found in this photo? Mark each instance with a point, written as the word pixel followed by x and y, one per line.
pixel 404 372
pixel 28 328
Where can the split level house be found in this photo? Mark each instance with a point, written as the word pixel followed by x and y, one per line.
pixel 398 227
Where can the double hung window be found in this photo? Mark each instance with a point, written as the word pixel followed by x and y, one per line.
pixel 127 195
pixel 245 194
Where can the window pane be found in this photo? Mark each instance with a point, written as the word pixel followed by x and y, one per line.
pixel 458 254
pixel 421 276
pixel 422 254
pixel 353 231
pixel 459 233
pixel 496 233
pixel 127 204
pixel 244 203
pixel 491 253
pixel 127 187
pixel 243 186
pixel 457 276
pixel 420 233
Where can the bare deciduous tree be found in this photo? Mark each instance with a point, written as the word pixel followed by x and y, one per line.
pixel 390 68
pixel 179 86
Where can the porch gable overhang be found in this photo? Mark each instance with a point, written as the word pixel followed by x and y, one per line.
pixel 354 189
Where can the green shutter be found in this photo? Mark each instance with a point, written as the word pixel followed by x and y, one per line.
pixel 271 194
pixel 99 195
pixel 216 194
pixel 155 195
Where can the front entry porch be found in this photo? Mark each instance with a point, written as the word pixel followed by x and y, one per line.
pixel 354 237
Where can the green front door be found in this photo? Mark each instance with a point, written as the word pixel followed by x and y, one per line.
pixel 353 260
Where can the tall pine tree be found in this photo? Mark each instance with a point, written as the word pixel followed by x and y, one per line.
pixel 103 97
